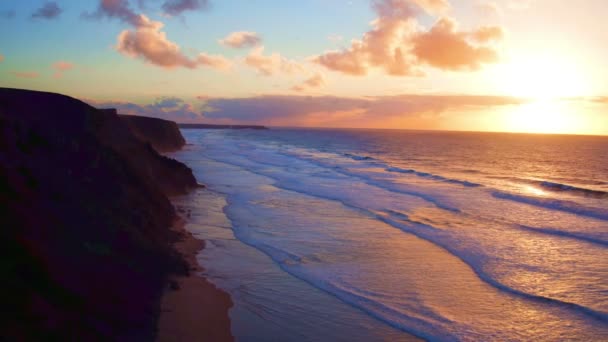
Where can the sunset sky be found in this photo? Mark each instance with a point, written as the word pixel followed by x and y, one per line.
pixel 502 65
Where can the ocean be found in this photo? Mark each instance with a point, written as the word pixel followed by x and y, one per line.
pixel 390 235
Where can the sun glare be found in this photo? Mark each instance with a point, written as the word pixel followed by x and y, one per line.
pixel 543 116
pixel 543 77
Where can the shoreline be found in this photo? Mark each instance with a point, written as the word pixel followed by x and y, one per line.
pixel 192 308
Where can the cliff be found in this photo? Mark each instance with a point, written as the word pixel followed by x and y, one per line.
pixel 163 135
pixel 85 248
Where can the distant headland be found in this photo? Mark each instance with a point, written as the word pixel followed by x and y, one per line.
pixel 210 126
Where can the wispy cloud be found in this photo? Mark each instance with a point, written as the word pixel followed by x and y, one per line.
pixel 50 10
pixel 342 111
pixel 241 39
pixel 118 9
pixel 316 81
pixel 268 65
pixel 177 7
pixel 296 110
pixel 1 58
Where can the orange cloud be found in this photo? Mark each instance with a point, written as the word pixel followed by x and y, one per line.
pixel 445 48
pixel 271 64
pixel 149 43
pixel 25 74
pixel 60 67
pixel 315 81
pixel 1 58
pixel 486 34
pixel 241 39
pixel 396 46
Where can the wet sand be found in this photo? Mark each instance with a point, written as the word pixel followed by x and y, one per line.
pixel 193 309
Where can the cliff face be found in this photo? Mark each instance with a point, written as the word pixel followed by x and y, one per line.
pixel 163 135
pixel 85 247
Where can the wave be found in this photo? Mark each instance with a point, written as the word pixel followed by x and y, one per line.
pixel 434 177
pixel 357 157
pixel 478 268
pixel 554 204
pixel 553 186
pixel 561 233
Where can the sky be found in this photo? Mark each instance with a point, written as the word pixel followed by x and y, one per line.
pixel 476 65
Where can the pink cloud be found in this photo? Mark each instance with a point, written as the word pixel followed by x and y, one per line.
pixel 25 74
pixel 343 111
pixel 60 67
pixel 213 61
pixel 149 43
pixel 271 64
pixel 310 110
pixel 396 45
pixel 241 39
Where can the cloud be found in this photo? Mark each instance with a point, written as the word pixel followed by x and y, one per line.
pixel 271 64
pixel 171 108
pixel 342 111
pixel 25 74
pixel 1 58
pixel 241 39
pixel 445 48
pixel 315 81
pixel 486 34
pixel 177 7
pixel 60 67
pixel 397 46
pixel 214 61
pixel 118 9
pixel 7 14
pixel 50 10
pixel 149 43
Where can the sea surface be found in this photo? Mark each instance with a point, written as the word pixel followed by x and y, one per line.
pixel 389 235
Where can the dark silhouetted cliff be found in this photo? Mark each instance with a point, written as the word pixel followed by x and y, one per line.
pixel 85 248
pixel 163 135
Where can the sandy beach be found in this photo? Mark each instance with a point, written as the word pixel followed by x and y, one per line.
pixel 193 309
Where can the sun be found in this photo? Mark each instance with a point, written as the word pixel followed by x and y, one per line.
pixel 543 77
pixel 543 116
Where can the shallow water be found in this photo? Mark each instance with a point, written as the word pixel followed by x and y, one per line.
pixel 381 235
